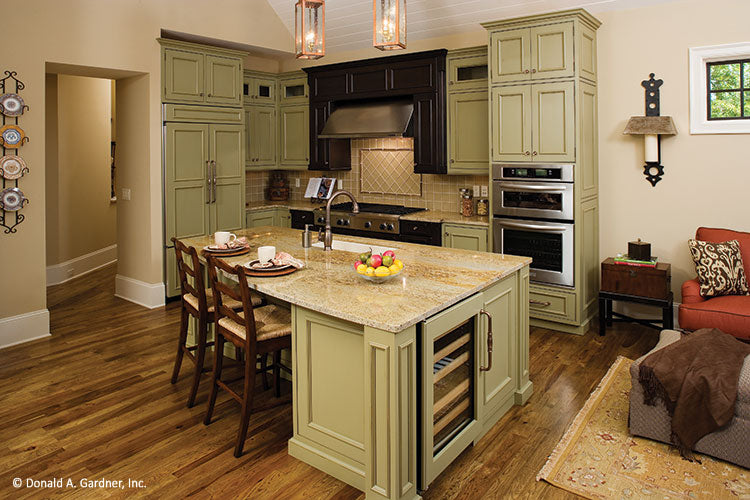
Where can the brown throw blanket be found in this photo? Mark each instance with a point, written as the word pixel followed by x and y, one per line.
pixel 697 379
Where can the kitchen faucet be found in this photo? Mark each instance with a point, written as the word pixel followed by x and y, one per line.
pixel 328 237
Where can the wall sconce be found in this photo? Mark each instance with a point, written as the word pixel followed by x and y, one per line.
pixel 652 127
pixel 309 29
pixel 389 24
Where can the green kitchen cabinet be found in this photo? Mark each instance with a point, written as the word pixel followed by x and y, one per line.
pixel 197 74
pixel 468 148
pixel 535 53
pixel 257 218
pixel 294 137
pixel 467 69
pixel 260 134
pixel 465 237
pixel 259 88
pixel 293 88
pixel 204 184
pixel 283 217
pixel 534 123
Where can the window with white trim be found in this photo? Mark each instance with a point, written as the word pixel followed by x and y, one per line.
pixel 720 89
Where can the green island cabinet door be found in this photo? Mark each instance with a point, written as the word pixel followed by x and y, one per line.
pixel 261 136
pixel 223 80
pixel 553 122
pixel 257 218
pixel 186 197
pixel 469 150
pixel 183 76
pixel 228 207
pixel 511 123
pixel 465 237
pixel 510 55
pixel 552 51
pixel 283 217
pixel 294 137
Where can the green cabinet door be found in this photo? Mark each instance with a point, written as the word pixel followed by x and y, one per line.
pixel 283 218
pixel 496 385
pixel 465 237
pixel 261 136
pixel 511 123
pixel 468 148
pixel 257 218
pixel 265 90
pixel 510 58
pixel 223 80
pixel 294 137
pixel 183 76
pixel 293 90
pixel 553 122
pixel 552 51
pixel 228 207
pixel 187 194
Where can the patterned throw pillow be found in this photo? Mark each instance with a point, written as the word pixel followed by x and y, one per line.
pixel 719 267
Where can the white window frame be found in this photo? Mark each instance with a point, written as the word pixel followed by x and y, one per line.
pixel 699 56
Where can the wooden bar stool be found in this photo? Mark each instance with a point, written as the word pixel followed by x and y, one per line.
pixel 197 301
pixel 256 331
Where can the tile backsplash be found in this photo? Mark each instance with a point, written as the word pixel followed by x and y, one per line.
pixel 438 192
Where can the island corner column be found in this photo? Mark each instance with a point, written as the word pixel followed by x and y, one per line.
pixel 524 387
pixel 391 413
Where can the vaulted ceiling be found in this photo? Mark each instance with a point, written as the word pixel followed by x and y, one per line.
pixel 349 22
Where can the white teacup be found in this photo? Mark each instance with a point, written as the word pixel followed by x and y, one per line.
pixel 266 253
pixel 224 237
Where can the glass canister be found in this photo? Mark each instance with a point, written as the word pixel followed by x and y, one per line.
pixel 466 205
pixel 483 206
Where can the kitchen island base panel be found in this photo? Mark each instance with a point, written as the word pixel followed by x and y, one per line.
pixel 328 462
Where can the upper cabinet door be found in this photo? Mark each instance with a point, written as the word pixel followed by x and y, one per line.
pixel 293 91
pixel 510 60
pixel 223 80
pixel 228 207
pixel 511 123
pixel 294 136
pixel 265 90
pixel 262 136
pixel 467 133
pixel 552 51
pixel 553 122
pixel 183 74
pixel 467 73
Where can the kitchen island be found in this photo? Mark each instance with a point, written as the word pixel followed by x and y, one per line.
pixel 379 399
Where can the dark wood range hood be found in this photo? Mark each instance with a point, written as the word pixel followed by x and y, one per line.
pixel 418 78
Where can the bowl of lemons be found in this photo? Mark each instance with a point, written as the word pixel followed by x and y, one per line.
pixel 378 267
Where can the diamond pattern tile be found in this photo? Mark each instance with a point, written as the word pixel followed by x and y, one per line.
pixel 389 171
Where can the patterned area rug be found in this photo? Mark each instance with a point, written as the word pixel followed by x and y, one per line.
pixel 597 458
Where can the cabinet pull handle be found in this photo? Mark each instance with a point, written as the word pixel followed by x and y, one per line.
pixel 534 153
pixel 450 82
pixel 526 72
pixel 453 161
pixel 201 94
pixel 527 153
pixel 533 70
pixel 540 303
pixel 213 194
pixel 489 342
pixel 209 182
pixel 210 95
pixel 447 234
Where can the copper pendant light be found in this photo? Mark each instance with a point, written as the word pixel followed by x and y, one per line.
pixel 309 29
pixel 389 24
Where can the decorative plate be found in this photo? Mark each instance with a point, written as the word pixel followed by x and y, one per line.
pixel 11 105
pixel 213 249
pixel 249 265
pixel 12 167
pixel 12 136
pixel 12 199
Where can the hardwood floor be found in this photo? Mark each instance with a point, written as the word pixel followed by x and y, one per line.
pixel 94 401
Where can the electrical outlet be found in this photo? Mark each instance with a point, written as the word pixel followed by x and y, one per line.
pixel 485 192
pixel 475 190
pixel 296 182
pixel 341 183
pixel 126 193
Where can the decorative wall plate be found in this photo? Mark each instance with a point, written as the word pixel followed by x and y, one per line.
pixel 12 167
pixel 12 136
pixel 12 104
pixel 12 199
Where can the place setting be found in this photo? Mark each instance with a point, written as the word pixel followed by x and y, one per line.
pixel 227 244
pixel 270 264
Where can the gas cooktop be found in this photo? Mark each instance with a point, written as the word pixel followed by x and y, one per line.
pixel 376 208
pixel 372 217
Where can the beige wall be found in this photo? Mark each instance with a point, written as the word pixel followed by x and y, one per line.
pixel 120 36
pixel 706 176
pixel 80 216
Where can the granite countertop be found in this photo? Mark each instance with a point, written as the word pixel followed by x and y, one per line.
pixel 447 217
pixel 433 279
pixel 423 216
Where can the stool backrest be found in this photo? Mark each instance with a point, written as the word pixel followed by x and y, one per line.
pixel 188 266
pixel 223 291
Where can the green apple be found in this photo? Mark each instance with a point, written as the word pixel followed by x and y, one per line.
pixel 387 260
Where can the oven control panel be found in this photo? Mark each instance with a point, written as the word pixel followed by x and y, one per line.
pixel 540 172
pixel 531 173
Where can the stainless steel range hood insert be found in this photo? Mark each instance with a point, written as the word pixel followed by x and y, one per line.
pixel 369 119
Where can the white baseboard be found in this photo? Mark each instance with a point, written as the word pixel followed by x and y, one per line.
pixel 144 294
pixel 644 312
pixel 73 268
pixel 24 327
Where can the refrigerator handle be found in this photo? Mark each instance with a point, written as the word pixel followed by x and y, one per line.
pixel 209 181
pixel 213 192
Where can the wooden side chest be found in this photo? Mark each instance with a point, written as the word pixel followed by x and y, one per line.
pixel 652 282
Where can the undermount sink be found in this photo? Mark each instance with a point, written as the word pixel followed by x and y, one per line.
pixel 348 246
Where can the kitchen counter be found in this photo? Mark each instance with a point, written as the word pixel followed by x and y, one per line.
pixel 447 217
pixel 291 204
pixel 434 278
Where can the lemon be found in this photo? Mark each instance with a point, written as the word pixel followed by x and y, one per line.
pixel 361 269
pixel 370 271
pixel 382 271
pixel 398 263
pixel 394 269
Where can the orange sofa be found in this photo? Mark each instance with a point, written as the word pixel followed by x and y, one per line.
pixel 730 313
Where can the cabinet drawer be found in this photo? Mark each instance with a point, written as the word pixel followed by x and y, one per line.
pixel 545 303
pixel 329 84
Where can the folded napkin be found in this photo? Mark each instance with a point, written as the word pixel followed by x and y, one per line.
pixel 238 243
pixel 281 259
